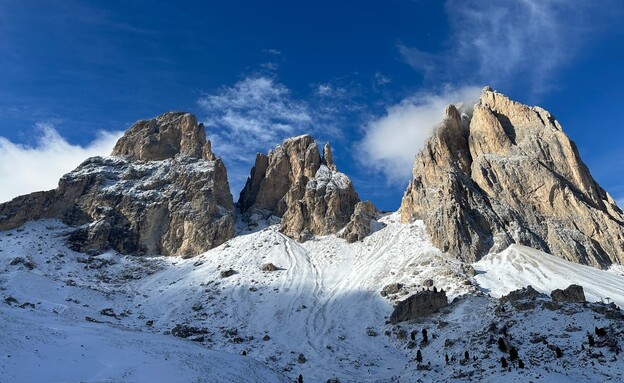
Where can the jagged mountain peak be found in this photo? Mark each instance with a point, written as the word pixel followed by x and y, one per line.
pixel 294 182
pixel 511 175
pixel 161 192
pixel 166 136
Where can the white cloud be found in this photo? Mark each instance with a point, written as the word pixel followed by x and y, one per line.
pixel 391 141
pixel 249 117
pixel 25 169
pixel 502 41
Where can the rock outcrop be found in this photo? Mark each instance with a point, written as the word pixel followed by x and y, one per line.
pixel 419 305
pixel 571 294
pixel 295 183
pixel 161 192
pixel 359 226
pixel 510 175
pixel 522 299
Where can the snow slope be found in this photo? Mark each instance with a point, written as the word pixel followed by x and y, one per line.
pixel 319 315
pixel 44 348
pixel 519 266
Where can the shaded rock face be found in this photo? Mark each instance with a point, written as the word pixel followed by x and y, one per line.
pixel 295 183
pixel 571 294
pixel 510 175
pixel 137 202
pixel 359 226
pixel 419 305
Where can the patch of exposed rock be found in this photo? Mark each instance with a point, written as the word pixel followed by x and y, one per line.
pixel 293 182
pixel 523 299
pixel 360 224
pixel 162 192
pixel 268 267
pixel 391 289
pixel 571 294
pixel 511 175
pixel 419 305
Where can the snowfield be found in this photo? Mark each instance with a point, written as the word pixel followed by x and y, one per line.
pixel 520 266
pixel 66 316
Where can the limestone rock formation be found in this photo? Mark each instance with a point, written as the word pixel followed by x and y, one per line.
pixel 295 183
pixel 510 175
pixel 162 192
pixel 359 227
pixel 166 136
pixel 419 305
pixel 571 294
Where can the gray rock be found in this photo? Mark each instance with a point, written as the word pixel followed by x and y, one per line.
pixel 268 267
pixel 359 226
pixel 163 192
pixel 571 294
pixel 173 134
pixel 293 182
pixel 523 299
pixel 227 273
pixel 390 289
pixel 419 305
pixel 510 175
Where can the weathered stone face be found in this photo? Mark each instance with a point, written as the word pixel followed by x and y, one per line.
pixel 359 226
pixel 510 175
pixel 419 305
pixel 179 204
pixel 173 134
pixel 295 183
pixel 571 294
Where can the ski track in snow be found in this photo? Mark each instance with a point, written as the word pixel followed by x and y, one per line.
pixel 321 302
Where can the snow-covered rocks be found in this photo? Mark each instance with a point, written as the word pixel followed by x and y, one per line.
pixel 307 191
pixel 164 194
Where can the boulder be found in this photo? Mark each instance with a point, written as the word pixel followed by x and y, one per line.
pixel 523 299
pixel 419 305
pixel 390 289
pixel 571 294
pixel 268 267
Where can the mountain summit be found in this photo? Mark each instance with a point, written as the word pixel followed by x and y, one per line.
pixel 162 191
pixel 511 175
pixel 306 190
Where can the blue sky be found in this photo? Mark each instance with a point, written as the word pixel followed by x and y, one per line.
pixel 371 77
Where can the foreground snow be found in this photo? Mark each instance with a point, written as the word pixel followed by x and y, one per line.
pixel 320 315
pixel 45 348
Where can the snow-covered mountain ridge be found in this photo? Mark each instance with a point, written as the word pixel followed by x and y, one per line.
pixel 300 279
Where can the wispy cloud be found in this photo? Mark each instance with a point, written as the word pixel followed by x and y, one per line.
pixel 25 169
pixel 249 117
pixel 502 41
pixel 390 142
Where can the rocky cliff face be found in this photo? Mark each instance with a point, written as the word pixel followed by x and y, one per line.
pixel 511 175
pixel 294 182
pixel 359 227
pixel 419 305
pixel 161 192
